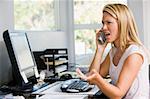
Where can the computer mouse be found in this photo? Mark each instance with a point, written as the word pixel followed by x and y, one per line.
pixel 66 76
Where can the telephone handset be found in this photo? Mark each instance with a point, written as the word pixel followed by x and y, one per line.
pixel 102 38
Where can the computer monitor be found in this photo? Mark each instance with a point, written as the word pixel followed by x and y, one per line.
pixel 21 57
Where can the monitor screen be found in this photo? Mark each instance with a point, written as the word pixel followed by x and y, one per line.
pixel 22 51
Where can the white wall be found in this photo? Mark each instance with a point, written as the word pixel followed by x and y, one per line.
pixel 136 7
pixel 146 17
pixel 39 41
pixel 5 23
pixel 140 9
pixel 6 18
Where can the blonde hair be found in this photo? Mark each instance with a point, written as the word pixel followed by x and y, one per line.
pixel 126 24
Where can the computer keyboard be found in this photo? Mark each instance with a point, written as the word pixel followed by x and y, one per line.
pixel 75 85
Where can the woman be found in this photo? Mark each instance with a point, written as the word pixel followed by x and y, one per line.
pixel 126 63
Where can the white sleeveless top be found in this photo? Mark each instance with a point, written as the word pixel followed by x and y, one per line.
pixel 140 87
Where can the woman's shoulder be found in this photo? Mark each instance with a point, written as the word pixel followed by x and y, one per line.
pixel 135 48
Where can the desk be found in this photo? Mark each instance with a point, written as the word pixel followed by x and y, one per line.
pixel 53 91
pixel 69 96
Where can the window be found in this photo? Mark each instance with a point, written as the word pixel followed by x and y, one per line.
pixel 41 15
pixel 87 18
pixel 34 15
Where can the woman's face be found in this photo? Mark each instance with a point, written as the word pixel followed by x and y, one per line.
pixel 110 27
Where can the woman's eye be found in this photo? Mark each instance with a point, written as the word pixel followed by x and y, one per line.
pixel 109 22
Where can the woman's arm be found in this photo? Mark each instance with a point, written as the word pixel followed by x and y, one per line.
pixel 129 72
pixel 102 68
pixel 97 64
pixel 96 60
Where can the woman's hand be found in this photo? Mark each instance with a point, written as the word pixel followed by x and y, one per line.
pixel 91 77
